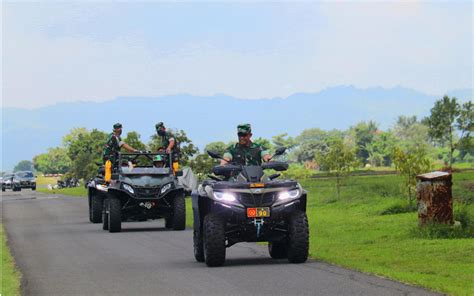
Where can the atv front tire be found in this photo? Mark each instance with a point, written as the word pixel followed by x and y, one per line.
pixel 198 245
pixel 298 240
pixel 115 215
pixel 214 240
pixel 278 250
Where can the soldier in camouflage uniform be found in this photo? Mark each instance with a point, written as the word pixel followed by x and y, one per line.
pixel 245 152
pixel 113 145
pixel 168 144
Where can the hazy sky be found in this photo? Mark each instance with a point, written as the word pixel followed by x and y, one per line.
pixel 62 52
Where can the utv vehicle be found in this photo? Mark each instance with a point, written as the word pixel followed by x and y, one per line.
pixel 138 191
pixel 241 204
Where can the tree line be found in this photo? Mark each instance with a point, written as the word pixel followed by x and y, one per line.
pixel 444 136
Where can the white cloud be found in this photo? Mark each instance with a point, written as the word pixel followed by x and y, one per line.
pixel 424 46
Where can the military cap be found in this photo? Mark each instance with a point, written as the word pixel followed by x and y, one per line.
pixel 244 128
pixel 117 125
pixel 159 125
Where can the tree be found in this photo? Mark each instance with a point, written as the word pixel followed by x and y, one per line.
pixel 217 147
pixel 24 165
pixel 187 147
pixel 338 157
pixel 465 123
pixel 133 139
pixel 266 144
pixel 312 141
pixel 380 149
pixel 283 140
pixel 410 163
pixel 362 134
pixel 446 118
pixel 409 131
pixel 85 149
pixel 55 161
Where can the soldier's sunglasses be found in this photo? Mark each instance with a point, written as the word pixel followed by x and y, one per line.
pixel 242 134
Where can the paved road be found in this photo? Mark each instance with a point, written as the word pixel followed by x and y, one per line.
pixel 60 253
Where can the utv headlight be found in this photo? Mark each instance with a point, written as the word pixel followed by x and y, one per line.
pixel 224 196
pixel 128 188
pixel 165 188
pixel 287 195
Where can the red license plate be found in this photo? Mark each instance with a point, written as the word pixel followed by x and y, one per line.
pixel 258 212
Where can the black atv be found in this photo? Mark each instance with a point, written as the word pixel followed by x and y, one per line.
pixel 138 191
pixel 242 204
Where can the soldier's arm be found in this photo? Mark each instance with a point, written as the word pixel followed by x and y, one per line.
pixel 265 154
pixel 129 148
pixel 226 158
pixel 171 145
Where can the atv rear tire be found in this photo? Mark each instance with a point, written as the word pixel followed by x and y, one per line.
pixel 179 212
pixel 105 215
pixel 198 245
pixel 96 206
pixel 115 215
pixel 278 250
pixel 298 240
pixel 33 188
pixel 214 240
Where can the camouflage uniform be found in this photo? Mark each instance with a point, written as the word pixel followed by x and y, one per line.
pixel 164 141
pixel 112 146
pixel 246 155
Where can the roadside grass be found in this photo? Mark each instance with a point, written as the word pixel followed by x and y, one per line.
pixel 357 231
pixel 75 191
pixel 42 181
pixel 9 275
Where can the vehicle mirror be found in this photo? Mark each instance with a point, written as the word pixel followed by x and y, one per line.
pixel 179 173
pixel 214 155
pixel 280 151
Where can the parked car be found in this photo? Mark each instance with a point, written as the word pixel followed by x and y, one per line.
pixel 10 181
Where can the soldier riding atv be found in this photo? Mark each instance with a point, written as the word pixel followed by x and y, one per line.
pixel 142 187
pixel 242 204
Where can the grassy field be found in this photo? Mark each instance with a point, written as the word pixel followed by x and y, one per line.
pixel 9 275
pixel 372 228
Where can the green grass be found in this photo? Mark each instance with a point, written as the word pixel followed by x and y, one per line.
pixel 75 191
pixel 9 275
pixel 352 232
pixel 42 181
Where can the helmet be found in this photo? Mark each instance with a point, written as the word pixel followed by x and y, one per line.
pixel 158 158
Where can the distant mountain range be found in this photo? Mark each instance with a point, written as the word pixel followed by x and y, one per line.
pixel 27 133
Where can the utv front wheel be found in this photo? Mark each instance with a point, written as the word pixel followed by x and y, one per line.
pixel 179 212
pixel 115 215
pixel 214 240
pixel 278 250
pixel 298 240
pixel 96 206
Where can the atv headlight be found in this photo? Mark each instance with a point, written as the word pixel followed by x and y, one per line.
pixel 224 196
pixel 128 188
pixel 287 195
pixel 165 188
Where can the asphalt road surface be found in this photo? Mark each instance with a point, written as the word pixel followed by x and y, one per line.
pixel 60 253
